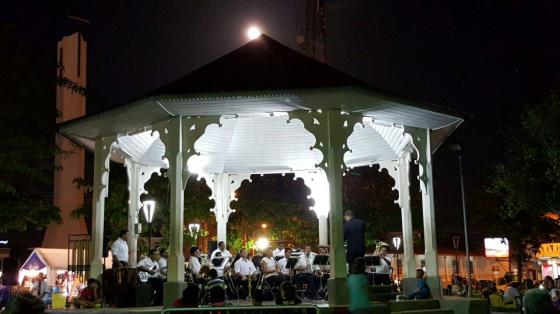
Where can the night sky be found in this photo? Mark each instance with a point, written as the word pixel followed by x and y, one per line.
pixel 484 58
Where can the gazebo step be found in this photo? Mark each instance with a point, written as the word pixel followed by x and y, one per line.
pixel 427 311
pixel 383 297
pixel 412 305
pixel 381 289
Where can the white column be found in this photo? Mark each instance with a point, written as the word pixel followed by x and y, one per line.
pixel 223 186
pixel 318 184
pixel 132 170
pixel 421 140
pixel 137 175
pixel 323 230
pixel 173 147
pixel 100 189
pixel 409 264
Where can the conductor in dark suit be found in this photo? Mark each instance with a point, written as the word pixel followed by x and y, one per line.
pixel 354 236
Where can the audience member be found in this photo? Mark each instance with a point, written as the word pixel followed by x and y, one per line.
pixel 89 297
pixel 422 290
pixel 191 297
pixel 358 287
pixel 287 294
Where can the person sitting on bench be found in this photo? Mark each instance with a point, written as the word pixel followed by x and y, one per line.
pixel 422 290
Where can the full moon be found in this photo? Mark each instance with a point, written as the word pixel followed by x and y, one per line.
pixel 253 32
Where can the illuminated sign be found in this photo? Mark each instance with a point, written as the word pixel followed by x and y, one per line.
pixel 496 247
pixel 4 242
pixel 549 250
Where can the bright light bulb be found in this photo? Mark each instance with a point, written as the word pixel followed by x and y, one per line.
pixel 253 32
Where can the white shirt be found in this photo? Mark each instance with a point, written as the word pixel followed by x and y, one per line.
pixel 384 267
pixel 510 294
pixel 225 253
pixel 269 263
pixel 148 263
pixel 120 250
pixel 35 290
pixel 283 263
pixel 162 263
pixel 305 262
pixel 277 252
pixel 244 267
pixel 194 265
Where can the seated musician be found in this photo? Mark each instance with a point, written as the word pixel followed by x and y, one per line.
pixel 382 275
pixel 285 272
pixel 194 264
pixel 162 262
pixel 304 271
pixel 279 251
pixel 221 252
pixel 148 271
pixel 213 282
pixel 269 268
pixel 244 269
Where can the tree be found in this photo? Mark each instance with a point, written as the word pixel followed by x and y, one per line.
pixel 281 203
pixel 28 125
pixel 527 183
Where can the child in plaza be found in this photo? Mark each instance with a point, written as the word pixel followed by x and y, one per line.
pixel 89 297
pixel 422 291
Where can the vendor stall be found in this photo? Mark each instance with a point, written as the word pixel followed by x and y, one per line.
pixel 549 259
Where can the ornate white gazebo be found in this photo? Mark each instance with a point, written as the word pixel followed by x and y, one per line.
pixel 262 109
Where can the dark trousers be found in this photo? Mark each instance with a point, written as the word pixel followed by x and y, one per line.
pixel 310 280
pixel 351 256
pixel 157 290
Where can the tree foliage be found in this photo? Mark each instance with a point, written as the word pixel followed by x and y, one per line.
pixel 27 155
pixel 527 183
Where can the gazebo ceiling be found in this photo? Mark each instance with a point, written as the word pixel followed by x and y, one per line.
pixel 250 83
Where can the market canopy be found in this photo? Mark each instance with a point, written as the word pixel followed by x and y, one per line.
pixel 252 89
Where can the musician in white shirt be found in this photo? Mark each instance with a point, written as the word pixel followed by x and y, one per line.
pixel 304 271
pixel 119 248
pixel 194 263
pixel 244 270
pixel 162 262
pixel 221 252
pixel 222 249
pixel 244 267
pixel 149 272
pixel 284 262
pixel 382 275
pixel 269 268
pixel 279 251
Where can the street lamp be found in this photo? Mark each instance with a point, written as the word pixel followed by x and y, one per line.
pixel 397 244
pixel 193 230
pixel 149 207
pixel 459 150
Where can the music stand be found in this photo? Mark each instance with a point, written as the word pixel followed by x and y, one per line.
pixel 291 262
pixel 321 260
pixel 277 258
pixel 372 260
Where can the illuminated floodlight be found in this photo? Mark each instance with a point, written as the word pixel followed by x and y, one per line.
pixel 253 32
pixel 262 243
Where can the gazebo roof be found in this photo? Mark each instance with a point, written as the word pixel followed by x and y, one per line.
pixel 245 88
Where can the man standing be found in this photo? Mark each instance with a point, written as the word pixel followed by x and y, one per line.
pixel 354 236
pixel 148 271
pixel 40 286
pixel 119 248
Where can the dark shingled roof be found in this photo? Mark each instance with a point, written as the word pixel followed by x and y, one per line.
pixel 261 64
